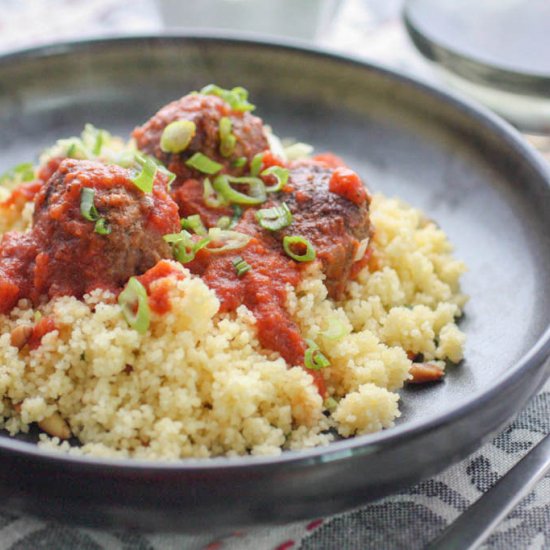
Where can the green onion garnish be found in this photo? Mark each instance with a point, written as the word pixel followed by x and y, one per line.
pixel 184 248
pixel 330 404
pixel 177 136
pixel 296 241
pixel 237 213
pixel 314 359
pixel 193 223
pixel 21 173
pixel 90 213
pixel 274 218
pixel 212 198
pixel 335 330
pixel 102 227
pixel 256 164
pixel 135 306
pixel 145 179
pixel 241 266
pixel 87 207
pixel 203 164
pixel 222 240
pixel 237 97
pixel 256 189
pixel 280 173
pixel 227 139
pixel 239 163
pixel 224 222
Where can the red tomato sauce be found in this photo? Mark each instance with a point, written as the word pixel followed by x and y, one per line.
pixel 263 290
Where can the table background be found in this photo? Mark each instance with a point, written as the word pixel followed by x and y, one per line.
pixel 408 520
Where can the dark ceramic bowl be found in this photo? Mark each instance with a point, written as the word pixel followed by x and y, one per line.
pixel 466 168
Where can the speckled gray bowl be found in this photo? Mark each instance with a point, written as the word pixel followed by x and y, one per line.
pixel 468 170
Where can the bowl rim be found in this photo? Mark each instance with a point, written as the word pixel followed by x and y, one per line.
pixel 338 450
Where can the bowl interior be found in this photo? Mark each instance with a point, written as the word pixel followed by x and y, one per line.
pixel 494 206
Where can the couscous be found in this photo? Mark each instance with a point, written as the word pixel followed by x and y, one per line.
pixel 205 290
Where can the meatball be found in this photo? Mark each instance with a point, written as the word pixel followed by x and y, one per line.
pixel 123 237
pixel 334 225
pixel 205 111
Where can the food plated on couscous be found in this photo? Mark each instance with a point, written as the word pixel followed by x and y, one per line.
pixel 206 290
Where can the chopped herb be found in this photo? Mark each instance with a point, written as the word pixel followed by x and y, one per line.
pixel 223 184
pixel 227 139
pixel 241 266
pixel 177 136
pixel 256 164
pixel 290 242
pixel 102 227
pixel 203 164
pixel 237 97
pixel 280 173
pixel 184 248
pixel 239 163
pixel 193 223
pixel 145 179
pixel 18 174
pixel 135 306
pixel 314 359
pixel 87 207
pixel 275 218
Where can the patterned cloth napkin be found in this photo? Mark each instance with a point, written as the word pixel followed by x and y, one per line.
pixel 407 520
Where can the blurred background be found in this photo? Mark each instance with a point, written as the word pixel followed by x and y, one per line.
pixel 495 51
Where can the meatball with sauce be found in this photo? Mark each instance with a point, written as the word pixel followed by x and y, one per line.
pixel 338 228
pixel 206 113
pixel 335 225
pixel 92 228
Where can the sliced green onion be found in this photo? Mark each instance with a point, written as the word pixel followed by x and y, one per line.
pixel 193 223
pixel 204 164
pixel 239 163
pixel 237 213
pixel 224 222
pixel 237 97
pixel 177 136
pixel 145 179
pixel 135 306
pixel 336 329
pixel 291 241
pixel 76 150
pixel 21 173
pixel 280 173
pixel 212 198
pixel 184 248
pixel 298 151
pixel 314 359
pixel 330 404
pixel 274 218
pixel 224 240
pixel 93 139
pixel 256 189
pixel 256 164
pixel 87 207
pixel 102 227
pixel 241 266
pixel 227 139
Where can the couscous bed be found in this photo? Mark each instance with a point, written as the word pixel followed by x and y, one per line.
pixel 173 365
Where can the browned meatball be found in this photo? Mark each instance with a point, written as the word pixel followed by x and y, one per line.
pixel 77 254
pixel 205 111
pixel 335 226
